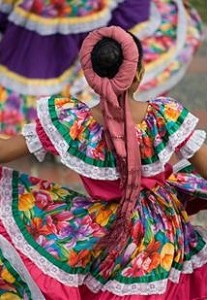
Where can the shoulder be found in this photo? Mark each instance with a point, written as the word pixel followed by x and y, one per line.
pixel 170 110
pixel 59 102
pixel 164 103
pixel 62 109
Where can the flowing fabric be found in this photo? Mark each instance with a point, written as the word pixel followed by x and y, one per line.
pixel 118 123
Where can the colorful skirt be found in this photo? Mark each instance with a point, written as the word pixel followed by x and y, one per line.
pixel 41 40
pixel 49 235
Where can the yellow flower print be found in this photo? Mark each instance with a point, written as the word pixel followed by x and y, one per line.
pixel 3 94
pixel 60 191
pixel 178 256
pixel 31 101
pixel 143 126
pixel 9 296
pixel 167 255
pixel 103 213
pixel 64 102
pixel 171 111
pixel 7 276
pixel 26 202
pixel 76 131
pixel 103 217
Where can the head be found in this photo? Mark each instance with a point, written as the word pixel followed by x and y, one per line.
pixel 107 57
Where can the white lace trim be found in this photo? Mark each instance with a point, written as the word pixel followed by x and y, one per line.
pixel 13 257
pixel 105 173
pixel 29 88
pixel 117 288
pixel 5 7
pixel 33 142
pixel 62 147
pixel 66 27
pixel 157 287
pixel 19 241
pixel 181 165
pixel 193 144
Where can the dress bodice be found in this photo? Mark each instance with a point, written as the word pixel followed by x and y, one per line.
pixel 66 126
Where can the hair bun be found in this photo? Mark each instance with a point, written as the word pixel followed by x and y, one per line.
pixel 106 57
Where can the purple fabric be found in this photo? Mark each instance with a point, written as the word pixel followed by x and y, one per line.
pixel 130 13
pixel 3 22
pixel 31 55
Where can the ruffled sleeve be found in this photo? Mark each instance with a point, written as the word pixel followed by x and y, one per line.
pixel 72 132
pixel 168 128
pixel 33 141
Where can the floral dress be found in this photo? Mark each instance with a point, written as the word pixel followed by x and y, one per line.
pixel 41 39
pixel 54 230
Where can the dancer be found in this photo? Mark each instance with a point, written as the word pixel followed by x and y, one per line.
pixel 41 40
pixel 131 237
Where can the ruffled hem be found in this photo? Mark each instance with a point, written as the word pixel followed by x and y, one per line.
pixel 193 144
pixel 37 87
pixel 14 259
pixel 33 142
pixel 106 172
pixel 5 8
pixel 71 279
pixel 63 148
pixel 67 25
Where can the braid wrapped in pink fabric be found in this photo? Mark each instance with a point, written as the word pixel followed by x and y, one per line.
pixel 118 124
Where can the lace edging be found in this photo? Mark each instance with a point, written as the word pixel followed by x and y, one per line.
pixel 117 288
pixel 108 173
pixel 19 241
pixel 62 147
pixel 193 144
pixel 13 257
pixel 33 142
pixel 5 7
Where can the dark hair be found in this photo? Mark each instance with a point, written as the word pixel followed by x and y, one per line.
pixel 107 56
pixel 140 50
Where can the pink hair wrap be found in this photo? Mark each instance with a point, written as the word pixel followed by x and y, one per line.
pixel 119 127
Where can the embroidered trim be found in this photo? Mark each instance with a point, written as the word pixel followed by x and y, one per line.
pixel 13 257
pixel 33 142
pixel 193 144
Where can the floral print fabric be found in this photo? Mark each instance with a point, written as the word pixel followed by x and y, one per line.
pixel 166 128
pixel 11 285
pixel 64 227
